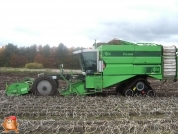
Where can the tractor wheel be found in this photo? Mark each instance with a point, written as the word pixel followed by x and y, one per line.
pixel 44 86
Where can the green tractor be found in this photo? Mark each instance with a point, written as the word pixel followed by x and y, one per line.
pixel 125 66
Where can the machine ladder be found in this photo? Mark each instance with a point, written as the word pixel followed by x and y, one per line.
pixel 98 82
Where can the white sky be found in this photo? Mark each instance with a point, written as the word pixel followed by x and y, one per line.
pixel 80 22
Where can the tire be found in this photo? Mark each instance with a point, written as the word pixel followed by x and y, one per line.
pixel 128 93
pixel 151 93
pixel 44 86
pixel 140 86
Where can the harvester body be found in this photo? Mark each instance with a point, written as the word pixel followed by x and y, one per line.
pixel 125 66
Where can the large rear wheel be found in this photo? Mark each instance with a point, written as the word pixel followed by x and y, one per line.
pixel 44 86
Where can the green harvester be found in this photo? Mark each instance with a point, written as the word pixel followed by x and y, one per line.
pixel 123 65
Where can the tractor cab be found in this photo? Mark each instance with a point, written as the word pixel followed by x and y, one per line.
pixel 89 61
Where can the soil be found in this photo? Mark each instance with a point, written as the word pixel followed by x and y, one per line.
pixel 96 114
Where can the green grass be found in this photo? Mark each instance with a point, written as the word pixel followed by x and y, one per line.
pixel 34 65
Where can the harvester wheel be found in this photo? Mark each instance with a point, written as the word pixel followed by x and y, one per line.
pixel 140 86
pixel 151 93
pixel 128 93
pixel 44 86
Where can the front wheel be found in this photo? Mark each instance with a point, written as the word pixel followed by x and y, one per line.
pixel 44 86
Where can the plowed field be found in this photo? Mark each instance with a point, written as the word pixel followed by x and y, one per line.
pixel 105 114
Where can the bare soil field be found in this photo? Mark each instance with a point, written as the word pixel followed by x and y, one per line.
pixel 97 114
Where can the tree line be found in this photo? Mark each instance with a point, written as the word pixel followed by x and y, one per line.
pixel 50 57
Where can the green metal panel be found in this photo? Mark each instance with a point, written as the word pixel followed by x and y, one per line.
pixel 131 54
pixel 147 60
pixel 124 62
pixel 89 81
pixel 107 80
pixel 117 53
pixel 98 81
pixel 148 54
pixel 17 89
pixel 112 80
pixel 118 69
pixel 147 69
pixel 121 60
pixel 94 81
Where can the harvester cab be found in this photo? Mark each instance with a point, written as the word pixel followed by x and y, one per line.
pixel 89 61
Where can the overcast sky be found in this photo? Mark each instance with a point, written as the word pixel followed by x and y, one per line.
pixel 80 22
